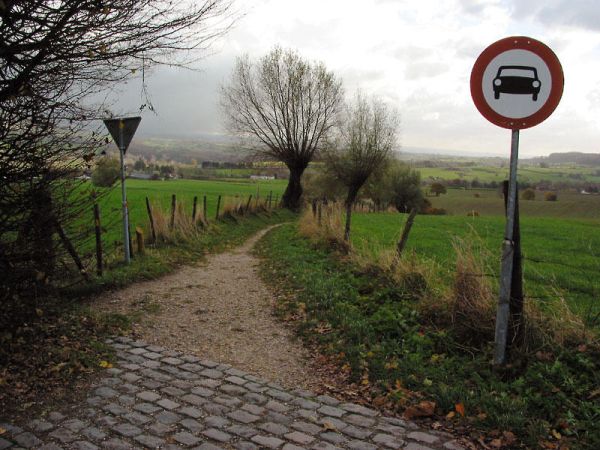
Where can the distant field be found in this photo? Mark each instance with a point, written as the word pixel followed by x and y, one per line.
pixel 526 174
pixel 559 254
pixel 569 204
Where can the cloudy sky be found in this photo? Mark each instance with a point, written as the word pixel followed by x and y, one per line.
pixel 415 54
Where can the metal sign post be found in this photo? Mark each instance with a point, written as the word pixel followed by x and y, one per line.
pixel 508 255
pixel 516 83
pixel 122 131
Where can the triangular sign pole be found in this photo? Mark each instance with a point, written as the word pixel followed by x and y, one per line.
pixel 122 131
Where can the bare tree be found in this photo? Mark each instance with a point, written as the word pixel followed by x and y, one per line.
pixel 286 103
pixel 366 139
pixel 53 55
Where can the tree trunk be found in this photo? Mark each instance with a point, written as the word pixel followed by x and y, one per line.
pixel 350 199
pixel 293 192
pixel 348 219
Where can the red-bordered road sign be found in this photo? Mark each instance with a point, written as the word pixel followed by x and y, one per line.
pixel 517 82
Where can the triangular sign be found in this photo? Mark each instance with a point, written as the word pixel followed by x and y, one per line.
pixel 122 130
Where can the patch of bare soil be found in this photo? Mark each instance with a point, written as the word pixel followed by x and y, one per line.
pixel 219 309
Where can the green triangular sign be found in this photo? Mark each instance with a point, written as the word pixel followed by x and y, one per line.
pixel 122 130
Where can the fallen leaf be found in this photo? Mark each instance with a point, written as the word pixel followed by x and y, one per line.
pixel 460 408
pixel 105 364
pixel 509 437
pixel 423 409
pixel 329 426
pixel 379 401
pixel 450 415
pixel 496 443
pixel 2 430
pixel 594 393
pixel 556 435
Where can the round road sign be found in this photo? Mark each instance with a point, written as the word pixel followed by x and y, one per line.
pixel 517 82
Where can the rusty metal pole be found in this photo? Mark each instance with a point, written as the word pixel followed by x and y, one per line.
pixel 126 237
pixel 508 249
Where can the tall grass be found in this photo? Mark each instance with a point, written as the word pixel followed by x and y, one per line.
pixel 462 299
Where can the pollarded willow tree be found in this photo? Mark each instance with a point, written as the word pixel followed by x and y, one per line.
pixel 367 137
pixel 287 104
pixel 54 55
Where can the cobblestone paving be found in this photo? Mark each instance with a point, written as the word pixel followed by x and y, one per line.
pixel 157 398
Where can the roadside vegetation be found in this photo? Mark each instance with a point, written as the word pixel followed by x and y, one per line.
pixel 50 353
pixel 418 343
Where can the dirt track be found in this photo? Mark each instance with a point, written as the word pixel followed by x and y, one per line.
pixel 221 310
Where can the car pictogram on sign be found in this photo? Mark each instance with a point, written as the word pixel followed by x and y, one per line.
pixel 517 80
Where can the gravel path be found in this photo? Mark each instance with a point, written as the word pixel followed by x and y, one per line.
pixel 221 310
pixel 201 376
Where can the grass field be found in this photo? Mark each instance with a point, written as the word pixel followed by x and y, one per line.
pixel 561 256
pixel 529 174
pixel 489 202
pixel 160 192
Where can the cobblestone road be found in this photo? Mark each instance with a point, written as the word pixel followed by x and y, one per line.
pixel 157 398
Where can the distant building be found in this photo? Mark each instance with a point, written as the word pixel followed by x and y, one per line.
pixel 262 177
pixel 140 176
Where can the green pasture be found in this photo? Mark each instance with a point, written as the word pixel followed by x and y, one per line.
pixel 529 174
pixel 159 193
pixel 562 256
pixel 570 204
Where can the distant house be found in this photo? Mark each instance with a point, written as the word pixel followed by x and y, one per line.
pixel 262 177
pixel 140 176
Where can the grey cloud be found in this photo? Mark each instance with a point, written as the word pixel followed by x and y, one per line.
pixel 474 7
pixel 412 52
pixel 572 13
pixel 467 48
pixel 420 70
pixel 357 77
pixel 186 102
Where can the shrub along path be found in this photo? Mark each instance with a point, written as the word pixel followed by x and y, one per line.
pixel 210 367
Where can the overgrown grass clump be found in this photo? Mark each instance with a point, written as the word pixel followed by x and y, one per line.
pixel 378 327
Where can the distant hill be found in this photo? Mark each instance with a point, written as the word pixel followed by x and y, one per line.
pixel 581 159
pixel 186 150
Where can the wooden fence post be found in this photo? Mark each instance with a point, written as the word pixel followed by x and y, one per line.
pixel 405 232
pixel 204 217
pixel 248 204
pixel 149 209
pixel 98 230
pixel 218 207
pixel 173 207
pixel 270 198
pixel 69 246
pixel 131 255
pixel 139 235
pixel 194 208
